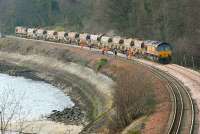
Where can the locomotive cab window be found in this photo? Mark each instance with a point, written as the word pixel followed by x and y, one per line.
pixel 164 47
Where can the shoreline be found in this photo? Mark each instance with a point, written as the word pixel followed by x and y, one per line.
pixel 61 64
pixel 19 71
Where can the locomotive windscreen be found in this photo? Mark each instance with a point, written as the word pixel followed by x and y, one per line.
pixel 164 47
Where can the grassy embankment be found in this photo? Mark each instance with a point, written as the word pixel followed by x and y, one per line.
pixel 96 102
pixel 134 95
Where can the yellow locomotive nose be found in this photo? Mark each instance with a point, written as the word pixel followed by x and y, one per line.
pixel 164 54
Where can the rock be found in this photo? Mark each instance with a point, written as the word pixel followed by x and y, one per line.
pixel 53 111
pixel 72 115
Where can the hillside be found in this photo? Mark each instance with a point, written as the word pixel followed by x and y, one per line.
pixel 110 107
pixel 172 21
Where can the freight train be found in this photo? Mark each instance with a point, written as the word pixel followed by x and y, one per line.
pixel 154 50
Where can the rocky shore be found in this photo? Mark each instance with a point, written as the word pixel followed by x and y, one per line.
pixel 14 70
pixel 69 116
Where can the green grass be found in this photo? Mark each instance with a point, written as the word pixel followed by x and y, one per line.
pixel 134 132
pixel 102 62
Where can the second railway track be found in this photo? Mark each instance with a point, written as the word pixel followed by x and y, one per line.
pixel 182 121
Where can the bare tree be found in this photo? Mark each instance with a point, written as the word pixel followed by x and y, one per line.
pixel 11 111
pixel 133 98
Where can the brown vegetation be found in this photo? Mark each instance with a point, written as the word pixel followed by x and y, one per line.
pixel 11 111
pixel 137 92
pixel 133 98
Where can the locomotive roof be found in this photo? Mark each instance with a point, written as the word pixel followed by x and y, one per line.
pixel 154 43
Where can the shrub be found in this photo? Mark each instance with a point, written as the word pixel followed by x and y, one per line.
pixel 102 62
pixel 133 98
pixel 134 132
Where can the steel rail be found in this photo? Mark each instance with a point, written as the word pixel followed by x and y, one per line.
pixel 179 91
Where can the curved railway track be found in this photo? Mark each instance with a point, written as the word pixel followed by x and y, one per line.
pixel 186 73
pixel 183 113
